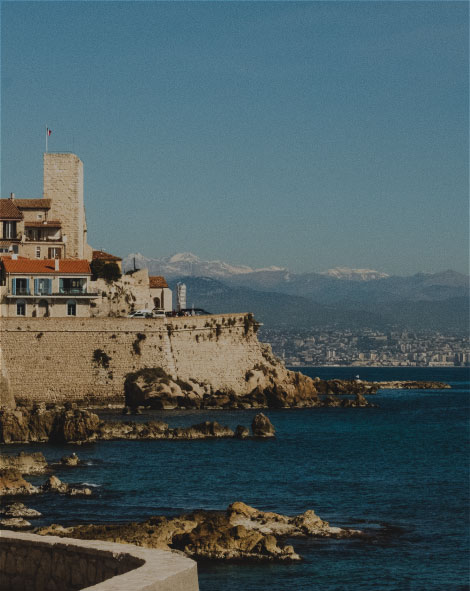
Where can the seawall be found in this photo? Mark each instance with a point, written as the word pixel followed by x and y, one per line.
pixel 60 359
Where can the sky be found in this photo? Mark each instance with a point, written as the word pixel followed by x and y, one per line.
pixel 308 135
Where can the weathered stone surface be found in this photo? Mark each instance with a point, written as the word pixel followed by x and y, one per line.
pixel 62 425
pixel 412 385
pixel 53 484
pixel 33 463
pixel 19 510
pixel 262 426
pixel 16 523
pixel 241 432
pixel 240 533
pixel 13 483
pixel 72 460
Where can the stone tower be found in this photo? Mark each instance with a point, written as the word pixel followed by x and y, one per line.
pixel 63 185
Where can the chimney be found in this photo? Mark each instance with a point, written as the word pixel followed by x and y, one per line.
pixel 56 263
pixel 12 196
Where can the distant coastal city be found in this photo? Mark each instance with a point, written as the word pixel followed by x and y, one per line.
pixel 367 347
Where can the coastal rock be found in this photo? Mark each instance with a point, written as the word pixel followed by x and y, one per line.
pixel 53 484
pixel 13 483
pixel 267 385
pixel 72 460
pixel 19 510
pixel 33 463
pixel 262 426
pixel 54 425
pixel 84 426
pixel 240 533
pixel 412 385
pixel 241 432
pixel 15 523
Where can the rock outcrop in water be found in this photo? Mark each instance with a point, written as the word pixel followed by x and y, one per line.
pixel 34 463
pixel 271 386
pixel 12 483
pixel 240 533
pixel 61 425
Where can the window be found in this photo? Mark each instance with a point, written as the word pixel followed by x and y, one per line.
pixel 71 308
pixel 53 253
pixel 38 252
pixel 43 286
pixel 20 286
pixel 33 234
pixel 21 308
pixel 72 285
pixel 9 230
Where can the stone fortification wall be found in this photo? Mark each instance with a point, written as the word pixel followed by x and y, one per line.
pixel 49 563
pixel 59 359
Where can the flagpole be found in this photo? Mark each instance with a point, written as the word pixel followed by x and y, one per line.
pixel 46 139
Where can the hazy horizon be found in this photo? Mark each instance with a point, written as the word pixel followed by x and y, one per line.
pixel 306 135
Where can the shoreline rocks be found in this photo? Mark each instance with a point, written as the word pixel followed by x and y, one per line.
pixel 61 425
pixel 239 533
pixel 33 463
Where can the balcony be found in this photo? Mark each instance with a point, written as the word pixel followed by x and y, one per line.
pixel 76 294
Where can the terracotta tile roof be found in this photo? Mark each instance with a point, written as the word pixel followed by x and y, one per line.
pixel 51 224
pixel 105 256
pixel 33 203
pixel 157 281
pixel 9 211
pixel 23 265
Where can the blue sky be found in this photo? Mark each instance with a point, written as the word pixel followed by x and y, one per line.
pixel 302 134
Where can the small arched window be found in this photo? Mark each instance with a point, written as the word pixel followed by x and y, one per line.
pixel 71 308
pixel 20 308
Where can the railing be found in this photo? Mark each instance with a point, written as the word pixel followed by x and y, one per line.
pixel 43 239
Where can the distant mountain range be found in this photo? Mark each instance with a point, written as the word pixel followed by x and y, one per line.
pixel 341 297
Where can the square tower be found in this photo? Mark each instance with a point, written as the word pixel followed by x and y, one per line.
pixel 63 185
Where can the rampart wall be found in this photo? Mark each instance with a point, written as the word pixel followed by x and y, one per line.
pixel 59 359
pixel 48 563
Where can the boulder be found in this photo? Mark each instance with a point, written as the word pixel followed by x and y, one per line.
pixel 241 432
pixel 33 463
pixel 262 426
pixel 15 523
pixel 53 484
pixel 19 510
pixel 72 460
pixel 13 483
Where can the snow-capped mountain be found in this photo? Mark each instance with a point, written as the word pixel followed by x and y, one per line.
pixel 189 264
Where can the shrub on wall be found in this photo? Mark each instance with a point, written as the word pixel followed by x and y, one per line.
pixel 108 271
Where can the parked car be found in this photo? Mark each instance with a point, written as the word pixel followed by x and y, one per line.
pixel 141 314
pixel 193 312
pixel 159 313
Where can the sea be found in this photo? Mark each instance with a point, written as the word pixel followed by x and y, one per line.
pixel 399 471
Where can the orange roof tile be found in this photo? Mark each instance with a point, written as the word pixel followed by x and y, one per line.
pixel 9 211
pixel 34 266
pixel 157 281
pixel 105 256
pixel 33 203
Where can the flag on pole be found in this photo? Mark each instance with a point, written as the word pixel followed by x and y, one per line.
pixel 48 132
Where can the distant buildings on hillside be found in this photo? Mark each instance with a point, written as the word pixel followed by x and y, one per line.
pixel 368 347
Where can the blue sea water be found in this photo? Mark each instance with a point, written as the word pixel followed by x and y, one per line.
pixel 400 470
